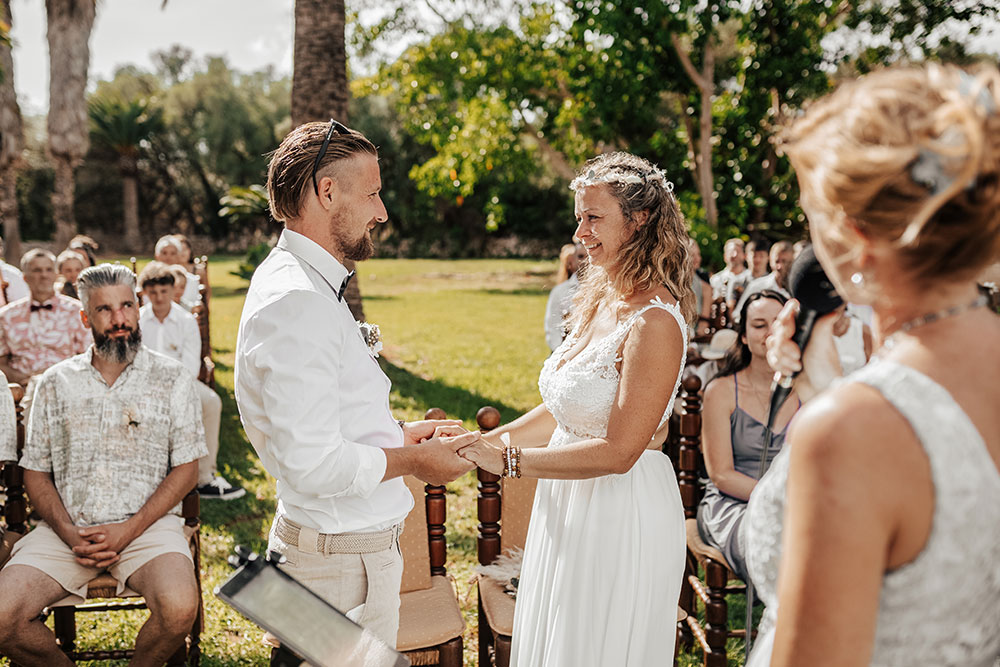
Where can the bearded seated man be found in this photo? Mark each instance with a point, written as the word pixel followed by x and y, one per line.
pixel 112 448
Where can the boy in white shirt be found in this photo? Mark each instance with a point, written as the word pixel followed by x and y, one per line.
pixel 173 332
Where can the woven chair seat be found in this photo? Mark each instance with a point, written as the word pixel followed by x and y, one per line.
pixel 420 629
pixel 701 550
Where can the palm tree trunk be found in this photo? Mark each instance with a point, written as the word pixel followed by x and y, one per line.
pixel 130 203
pixel 319 83
pixel 69 24
pixel 11 144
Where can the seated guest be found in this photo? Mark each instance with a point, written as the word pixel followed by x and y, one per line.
pixel 173 332
pixel 8 426
pixel 735 273
pixel 171 251
pixel 757 256
pixel 853 340
pixel 107 482
pixel 42 329
pixel 781 257
pixel 86 247
pixel 180 286
pixel 69 264
pixel 571 258
pixel 733 423
pixel 14 286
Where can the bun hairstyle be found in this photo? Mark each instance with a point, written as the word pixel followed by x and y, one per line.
pixel 656 253
pixel 912 156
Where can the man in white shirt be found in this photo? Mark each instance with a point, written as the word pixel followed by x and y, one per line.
pixel 781 257
pixel 173 332
pixel 312 397
pixel 735 276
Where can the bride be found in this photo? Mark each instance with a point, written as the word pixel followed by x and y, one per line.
pixel 604 556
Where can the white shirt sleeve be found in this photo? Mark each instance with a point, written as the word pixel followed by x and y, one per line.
pixel 295 363
pixel 16 287
pixel 191 345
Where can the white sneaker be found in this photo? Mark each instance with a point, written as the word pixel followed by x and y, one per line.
pixel 221 489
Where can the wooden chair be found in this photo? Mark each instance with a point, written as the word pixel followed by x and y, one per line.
pixel 207 372
pixel 504 509
pixel 103 585
pixel 710 593
pixel 430 619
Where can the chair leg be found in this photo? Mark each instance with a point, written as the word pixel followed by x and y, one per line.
pixel 502 652
pixel 450 653
pixel 686 602
pixel 64 622
pixel 485 636
pixel 716 613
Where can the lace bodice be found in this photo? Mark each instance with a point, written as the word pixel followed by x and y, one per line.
pixel 579 392
pixel 942 608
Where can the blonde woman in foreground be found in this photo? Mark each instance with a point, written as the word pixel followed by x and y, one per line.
pixel 883 510
pixel 604 555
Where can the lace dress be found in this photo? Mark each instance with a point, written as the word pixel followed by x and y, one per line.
pixel 942 608
pixel 604 557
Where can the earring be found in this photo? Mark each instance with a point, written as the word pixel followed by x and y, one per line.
pixel 858 279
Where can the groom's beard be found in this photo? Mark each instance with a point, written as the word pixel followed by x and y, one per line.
pixel 117 350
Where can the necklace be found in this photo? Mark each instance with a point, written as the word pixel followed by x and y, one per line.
pixel 920 321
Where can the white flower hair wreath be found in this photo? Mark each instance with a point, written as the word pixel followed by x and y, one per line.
pixel 616 176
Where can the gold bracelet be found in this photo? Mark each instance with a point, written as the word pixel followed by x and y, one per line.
pixel 517 462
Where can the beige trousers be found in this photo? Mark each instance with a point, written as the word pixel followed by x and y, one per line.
pixel 365 587
pixel 211 417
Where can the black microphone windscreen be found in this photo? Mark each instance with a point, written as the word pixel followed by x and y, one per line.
pixel 807 282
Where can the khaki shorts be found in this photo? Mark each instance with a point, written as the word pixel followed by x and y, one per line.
pixel 365 587
pixel 43 550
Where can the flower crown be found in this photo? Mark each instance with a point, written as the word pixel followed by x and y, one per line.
pixel 617 176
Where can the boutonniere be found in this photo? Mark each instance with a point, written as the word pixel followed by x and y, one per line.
pixel 372 337
pixel 130 417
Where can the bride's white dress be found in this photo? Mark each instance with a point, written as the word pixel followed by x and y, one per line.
pixel 604 557
pixel 943 608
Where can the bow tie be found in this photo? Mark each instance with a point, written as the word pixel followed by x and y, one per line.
pixel 41 306
pixel 343 286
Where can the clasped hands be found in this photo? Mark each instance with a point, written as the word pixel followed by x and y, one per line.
pixel 451 450
pixel 100 546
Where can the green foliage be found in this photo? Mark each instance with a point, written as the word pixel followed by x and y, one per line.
pixel 255 255
pixel 123 125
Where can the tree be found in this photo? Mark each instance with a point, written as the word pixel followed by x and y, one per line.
pixel 11 140
pixel 69 23
pixel 123 127
pixel 320 89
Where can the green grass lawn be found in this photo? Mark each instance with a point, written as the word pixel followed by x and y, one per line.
pixel 458 335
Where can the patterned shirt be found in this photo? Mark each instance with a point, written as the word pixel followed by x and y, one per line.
pixel 109 448
pixel 36 339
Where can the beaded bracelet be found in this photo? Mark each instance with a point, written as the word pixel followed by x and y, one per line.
pixel 511 461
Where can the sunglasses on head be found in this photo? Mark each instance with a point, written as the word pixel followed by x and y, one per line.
pixel 339 128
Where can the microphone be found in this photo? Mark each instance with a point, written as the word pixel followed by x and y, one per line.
pixel 817 297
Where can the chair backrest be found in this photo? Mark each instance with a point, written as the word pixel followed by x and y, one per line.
pixel 413 543
pixel 689 446
pixel 516 498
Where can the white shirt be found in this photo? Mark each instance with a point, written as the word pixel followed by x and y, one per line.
pixel 313 400
pixel 192 289
pixel 556 310
pixel 722 280
pixel 177 336
pixel 770 281
pixel 16 287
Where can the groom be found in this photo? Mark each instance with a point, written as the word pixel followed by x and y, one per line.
pixel 312 398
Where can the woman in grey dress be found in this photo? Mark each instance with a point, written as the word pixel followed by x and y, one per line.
pixel 735 409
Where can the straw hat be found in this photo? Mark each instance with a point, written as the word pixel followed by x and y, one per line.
pixel 722 340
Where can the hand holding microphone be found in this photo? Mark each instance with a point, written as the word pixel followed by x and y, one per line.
pixel 815 300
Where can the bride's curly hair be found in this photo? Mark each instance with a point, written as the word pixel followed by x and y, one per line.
pixel 655 254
